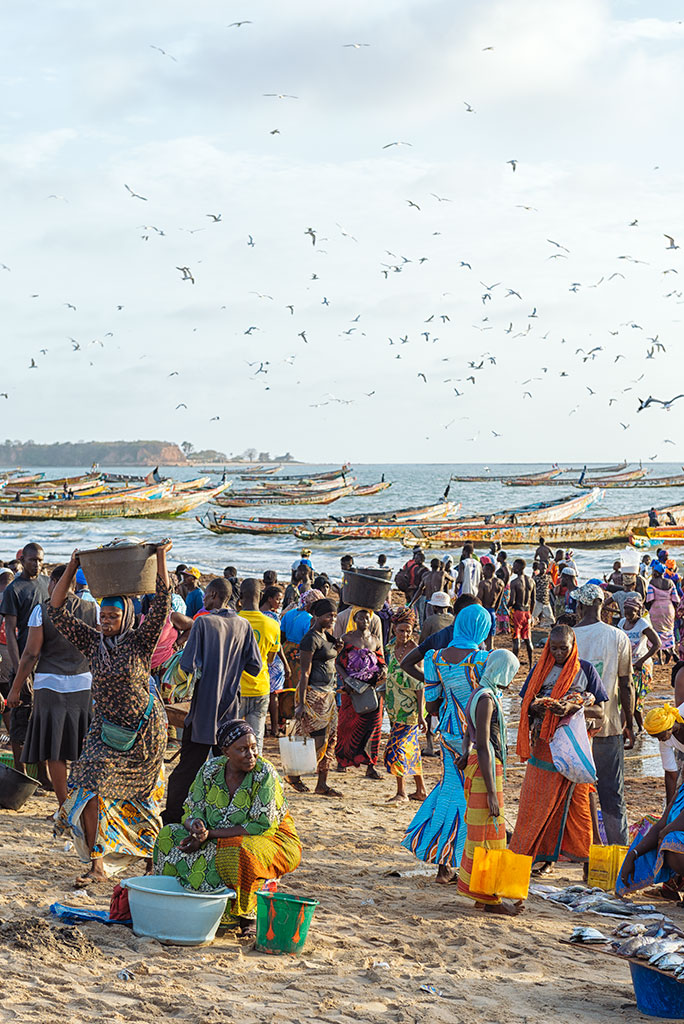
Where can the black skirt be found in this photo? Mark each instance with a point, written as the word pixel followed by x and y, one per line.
pixel 58 726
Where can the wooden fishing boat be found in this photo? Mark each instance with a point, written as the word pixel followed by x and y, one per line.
pixel 165 507
pixel 646 481
pixel 150 492
pixel 218 523
pixel 574 532
pixel 21 479
pixel 364 490
pixel 39 482
pixel 191 485
pixel 598 469
pixel 531 479
pixel 274 493
pixel 331 474
pixel 280 486
pixel 657 536
pixel 314 498
pixel 617 480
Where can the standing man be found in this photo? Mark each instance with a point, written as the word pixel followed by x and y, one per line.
pixel 221 646
pixel 194 594
pixel 438 615
pixel 543 552
pixel 609 651
pixel 21 596
pixel 542 611
pixel 255 690
pixel 469 572
pixel 489 593
pixel 432 581
pixel 522 596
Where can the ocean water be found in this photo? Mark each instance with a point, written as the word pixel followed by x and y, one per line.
pixel 412 485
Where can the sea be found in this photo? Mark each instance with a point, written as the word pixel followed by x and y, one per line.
pixel 411 485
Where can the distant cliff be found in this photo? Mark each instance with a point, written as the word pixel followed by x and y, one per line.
pixel 85 453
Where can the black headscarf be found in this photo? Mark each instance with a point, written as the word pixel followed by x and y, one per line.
pixel 229 733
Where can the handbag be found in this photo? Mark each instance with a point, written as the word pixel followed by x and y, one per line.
pixel 364 697
pixel 500 873
pixel 571 751
pixel 120 737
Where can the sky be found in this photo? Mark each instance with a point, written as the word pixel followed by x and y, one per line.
pixel 516 236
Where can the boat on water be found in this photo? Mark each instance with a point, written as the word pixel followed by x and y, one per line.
pixel 331 474
pixel 282 487
pixel 531 478
pixel 645 481
pixel 364 490
pixel 657 536
pixel 125 506
pixel 20 478
pixel 539 513
pixel 218 523
pixel 199 484
pixel 74 483
pixel 573 532
pixel 252 500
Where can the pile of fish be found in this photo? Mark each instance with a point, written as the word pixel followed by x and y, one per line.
pixel 660 944
pixel 581 899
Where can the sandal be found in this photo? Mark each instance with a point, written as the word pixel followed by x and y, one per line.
pixel 298 786
pixel 328 791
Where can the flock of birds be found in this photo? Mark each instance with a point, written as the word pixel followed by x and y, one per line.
pixel 498 307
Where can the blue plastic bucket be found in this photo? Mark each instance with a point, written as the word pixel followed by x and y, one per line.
pixel 656 994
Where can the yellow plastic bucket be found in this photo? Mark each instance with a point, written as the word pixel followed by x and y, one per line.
pixel 501 873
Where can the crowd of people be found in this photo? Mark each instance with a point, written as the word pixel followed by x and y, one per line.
pixel 85 685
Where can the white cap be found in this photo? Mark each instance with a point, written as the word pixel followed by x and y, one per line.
pixel 440 599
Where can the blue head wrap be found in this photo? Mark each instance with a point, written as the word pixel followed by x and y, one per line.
pixel 113 602
pixel 471 628
pixel 657 567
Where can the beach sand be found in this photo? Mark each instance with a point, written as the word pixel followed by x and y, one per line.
pixel 374 942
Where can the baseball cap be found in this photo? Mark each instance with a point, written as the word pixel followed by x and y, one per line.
pixel 568 571
pixel 440 599
pixel 192 571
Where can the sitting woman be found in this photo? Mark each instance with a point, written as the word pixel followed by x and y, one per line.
pixel 237 830
pixel 115 788
pixel 361 661
pixel 658 857
pixel 554 814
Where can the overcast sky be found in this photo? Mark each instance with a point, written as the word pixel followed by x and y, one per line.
pixel 585 95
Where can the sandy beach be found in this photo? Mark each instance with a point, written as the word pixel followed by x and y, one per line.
pixel 376 938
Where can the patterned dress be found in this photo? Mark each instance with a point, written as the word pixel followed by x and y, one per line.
pixel 403 700
pixel 270 849
pixel 128 786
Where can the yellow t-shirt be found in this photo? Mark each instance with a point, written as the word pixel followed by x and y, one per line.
pixel 267 633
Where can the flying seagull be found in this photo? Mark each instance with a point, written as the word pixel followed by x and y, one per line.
pixel 181 405
pixel 356 46
pixel 216 217
pixel 671 241
pixel 513 163
pixel 187 275
pixel 310 231
pixel 163 52
pixel 390 144
pixel 239 24
pixel 134 195
pixel 469 109
pixel 281 95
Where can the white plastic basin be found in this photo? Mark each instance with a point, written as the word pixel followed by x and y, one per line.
pixel 162 909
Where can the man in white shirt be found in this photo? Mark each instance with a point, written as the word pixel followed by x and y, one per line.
pixel 609 651
pixel 469 572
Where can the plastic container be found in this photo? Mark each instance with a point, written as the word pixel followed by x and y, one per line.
pixel 162 909
pixel 298 755
pixel 15 788
pixel 283 922
pixel 501 873
pixel 604 866
pixel 126 571
pixel 656 994
pixel 366 588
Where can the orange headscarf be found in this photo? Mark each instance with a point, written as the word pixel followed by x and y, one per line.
pixel 563 684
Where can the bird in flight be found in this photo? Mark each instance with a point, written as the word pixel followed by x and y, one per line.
pixel 214 418
pixel 181 405
pixel 513 163
pixel 3 394
pixel 469 109
pixel 135 195
pixel 251 241
pixel 355 46
pixel 281 95
pixel 216 217
pixel 69 305
pixel 312 233
pixel 411 203
pixel 250 329
pixel 291 308
pixel 390 144
pixel 174 373
pixel 163 52
pixel 423 376
pixel 187 275
pixel 440 199
pixel 557 244
pixel 671 240
pixel 34 365
pixel 625 426
pixel 657 401
pixel 239 24
pixel 302 335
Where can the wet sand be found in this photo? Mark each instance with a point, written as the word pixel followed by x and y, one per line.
pixel 364 961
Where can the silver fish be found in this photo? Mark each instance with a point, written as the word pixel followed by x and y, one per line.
pixel 645 948
pixel 587 935
pixel 661 946
pixel 630 947
pixel 631 928
pixel 669 962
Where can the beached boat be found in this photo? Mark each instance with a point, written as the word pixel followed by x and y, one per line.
pixel 573 532
pixel 238 500
pixel 168 506
pixel 257 525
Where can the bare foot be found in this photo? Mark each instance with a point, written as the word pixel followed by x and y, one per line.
pixel 90 878
pixel 544 869
pixel 445 875
pixel 341 768
pixel 417 796
pixel 398 798
pixel 326 791
pixel 507 909
pixel 371 772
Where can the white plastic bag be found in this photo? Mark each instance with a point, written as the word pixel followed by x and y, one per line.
pixel 571 751
pixel 298 755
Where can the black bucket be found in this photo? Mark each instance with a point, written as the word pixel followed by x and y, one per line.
pixel 15 788
pixel 366 588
